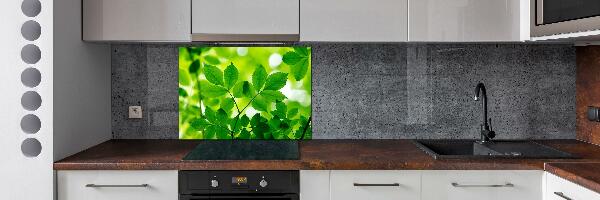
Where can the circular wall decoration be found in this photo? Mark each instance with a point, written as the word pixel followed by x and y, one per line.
pixel 30 124
pixel 31 30
pixel 31 8
pixel 31 147
pixel 31 100
pixel 31 77
pixel 31 54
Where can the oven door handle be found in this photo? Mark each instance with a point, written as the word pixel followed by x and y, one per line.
pixel 241 196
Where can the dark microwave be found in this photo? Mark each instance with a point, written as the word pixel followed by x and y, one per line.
pixel 553 17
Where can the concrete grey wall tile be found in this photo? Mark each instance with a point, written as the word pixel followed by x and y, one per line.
pixel 373 91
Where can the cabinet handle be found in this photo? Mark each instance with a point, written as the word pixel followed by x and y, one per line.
pixel 493 185
pixel 562 195
pixel 376 184
pixel 115 186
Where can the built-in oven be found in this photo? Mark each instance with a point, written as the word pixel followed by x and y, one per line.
pixel 552 17
pixel 238 185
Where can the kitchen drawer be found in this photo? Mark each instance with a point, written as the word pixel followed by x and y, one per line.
pixel 404 185
pixel 556 186
pixel 162 185
pixel 486 185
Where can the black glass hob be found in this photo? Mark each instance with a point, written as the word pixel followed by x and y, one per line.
pixel 245 150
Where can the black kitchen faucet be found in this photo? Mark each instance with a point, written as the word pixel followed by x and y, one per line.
pixel 487 134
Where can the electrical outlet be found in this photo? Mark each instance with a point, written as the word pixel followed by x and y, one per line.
pixel 135 112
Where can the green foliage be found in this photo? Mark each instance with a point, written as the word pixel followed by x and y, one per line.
pixel 299 59
pixel 235 93
pixel 276 81
pixel 231 76
pixel 259 77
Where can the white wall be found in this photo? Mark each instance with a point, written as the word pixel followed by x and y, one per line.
pixel 82 109
pixel 21 177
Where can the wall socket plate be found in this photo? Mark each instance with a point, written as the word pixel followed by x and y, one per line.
pixel 135 112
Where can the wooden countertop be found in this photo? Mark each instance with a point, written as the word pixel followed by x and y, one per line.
pixel 314 155
pixel 584 174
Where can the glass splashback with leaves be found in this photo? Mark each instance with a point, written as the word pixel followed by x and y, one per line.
pixel 245 93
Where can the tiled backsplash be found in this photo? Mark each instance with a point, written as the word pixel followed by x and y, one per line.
pixel 383 90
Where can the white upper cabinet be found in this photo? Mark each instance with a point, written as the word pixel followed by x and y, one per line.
pixel 354 20
pixel 468 20
pixel 245 20
pixel 136 20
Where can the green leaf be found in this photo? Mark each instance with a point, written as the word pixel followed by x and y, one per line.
pixel 302 50
pixel 227 104
pixel 216 132
pixel 244 120
pixel 210 115
pixel 212 102
pixel 292 112
pixel 259 77
pixel 221 117
pixel 273 95
pixel 244 134
pixel 209 90
pixel 262 128
pixel 280 110
pixel 231 76
pixel 223 133
pixel 182 92
pixel 243 89
pixel 299 62
pixel 299 70
pixel 255 120
pixel 260 103
pixel 276 81
pixel 194 67
pixel 199 124
pixel 211 132
pixel 213 74
pixel 292 58
pixel 194 50
pixel 212 60
pixel 184 77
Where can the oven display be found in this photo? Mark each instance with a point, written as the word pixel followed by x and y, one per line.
pixel 239 180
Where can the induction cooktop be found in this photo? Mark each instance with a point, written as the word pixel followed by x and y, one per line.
pixel 245 150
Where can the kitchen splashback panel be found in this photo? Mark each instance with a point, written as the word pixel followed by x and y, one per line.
pixel 375 91
pixel 244 93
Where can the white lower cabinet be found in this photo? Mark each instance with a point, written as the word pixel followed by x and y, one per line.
pixel 560 189
pixel 117 185
pixel 314 184
pixel 482 185
pixel 375 185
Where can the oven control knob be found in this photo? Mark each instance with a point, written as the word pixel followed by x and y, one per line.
pixel 214 183
pixel 263 183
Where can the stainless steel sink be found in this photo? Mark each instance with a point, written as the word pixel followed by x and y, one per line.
pixel 469 149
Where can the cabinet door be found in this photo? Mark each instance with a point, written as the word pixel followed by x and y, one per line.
pixel 314 184
pixel 468 20
pixel 560 189
pixel 136 20
pixel 245 20
pixel 375 185
pixel 354 20
pixel 478 185
pixel 117 185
